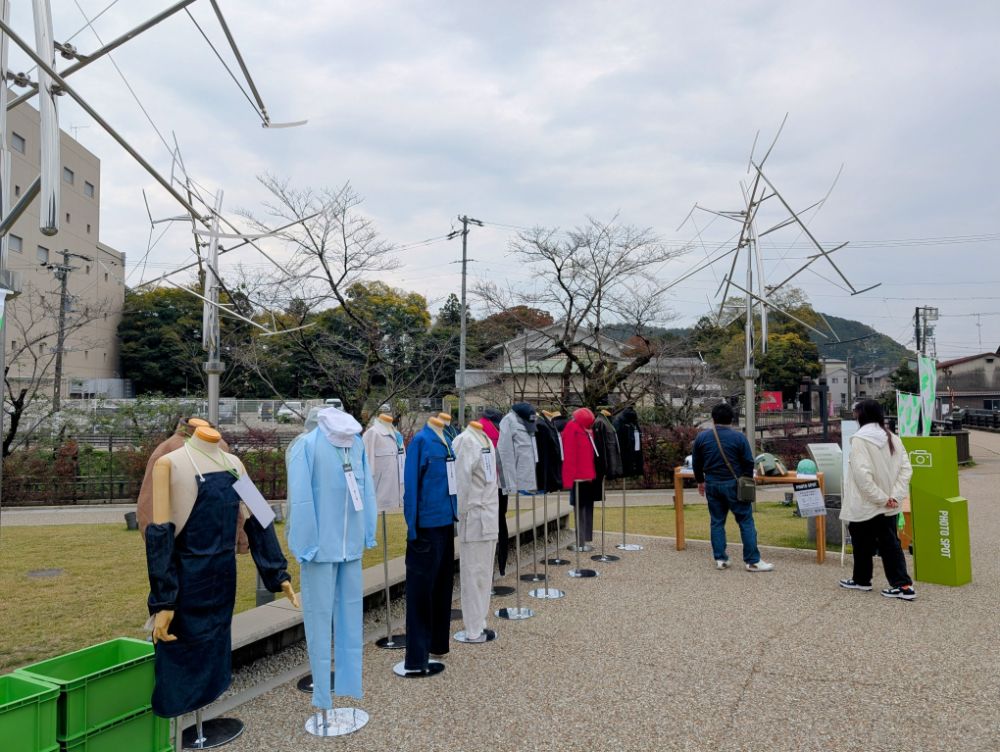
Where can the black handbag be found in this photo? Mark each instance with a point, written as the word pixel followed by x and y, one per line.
pixel 746 488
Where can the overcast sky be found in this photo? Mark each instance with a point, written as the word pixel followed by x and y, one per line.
pixel 526 113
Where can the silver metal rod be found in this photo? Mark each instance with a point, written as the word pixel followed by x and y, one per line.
pixel 239 59
pixel 604 516
pixel 109 47
pixel 806 265
pixel 545 546
pixel 576 522
pixel 43 66
pixel 534 539
pixel 385 572
pixel 22 204
pixel 210 317
pixel 5 172
pixel 782 310
pixel 517 551
pixel 624 506
pixel 48 114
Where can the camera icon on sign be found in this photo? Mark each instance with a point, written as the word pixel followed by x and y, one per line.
pixel 921 458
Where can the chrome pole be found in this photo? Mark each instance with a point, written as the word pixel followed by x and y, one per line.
pixel 534 576
pixel 623 546
pixel 517 613
pixel 546 593
pixel 390 641
pixel 558 560
pixel 604 556
pixel 578 571
pixel 48 114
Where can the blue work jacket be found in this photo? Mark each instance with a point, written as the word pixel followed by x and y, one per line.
pixel 426 501
pixel 323 524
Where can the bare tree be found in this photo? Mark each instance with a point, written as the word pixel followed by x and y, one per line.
pixel 589 278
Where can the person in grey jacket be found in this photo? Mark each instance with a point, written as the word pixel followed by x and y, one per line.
pixel 517 449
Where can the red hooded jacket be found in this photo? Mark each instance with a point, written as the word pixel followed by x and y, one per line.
pixel 578 452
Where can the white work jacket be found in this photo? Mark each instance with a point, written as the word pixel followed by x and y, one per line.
pixel 478 502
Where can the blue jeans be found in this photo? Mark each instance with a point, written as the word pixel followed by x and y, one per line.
pixel 721 498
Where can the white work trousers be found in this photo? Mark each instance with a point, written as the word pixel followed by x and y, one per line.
pixel 331 603
pixel 476 559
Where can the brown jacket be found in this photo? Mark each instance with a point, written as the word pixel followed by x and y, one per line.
pixel 144 506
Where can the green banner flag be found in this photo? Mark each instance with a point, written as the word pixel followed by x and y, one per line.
pixel 928 391
pixel 907 414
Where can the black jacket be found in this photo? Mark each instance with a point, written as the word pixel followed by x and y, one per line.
pixel 607 447
pixel 549 467
pixel 627 427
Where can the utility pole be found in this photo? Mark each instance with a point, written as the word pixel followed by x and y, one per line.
pixel 850 382
pixel 62 272
pixel 211 337
pixel 466 221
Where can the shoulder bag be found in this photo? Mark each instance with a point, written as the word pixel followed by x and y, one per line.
pixel 746 489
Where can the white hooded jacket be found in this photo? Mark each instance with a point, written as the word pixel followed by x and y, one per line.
pixel 874 475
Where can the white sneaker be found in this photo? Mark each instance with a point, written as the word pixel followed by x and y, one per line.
pixel 722 563
pixel 760 566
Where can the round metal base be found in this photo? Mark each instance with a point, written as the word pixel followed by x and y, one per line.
pixel 305 684
pixel 605 557
pixel 489 634
pixel 396 642
pixel 532 578
pixel 582 573
pixel 514 614
pixel 214 733
pixel 456 614
pixel 557 562
pixel 501 590
pixel 433 669
pixel 629 547
pixel 546 593
pixel 336 722
pixel 586 548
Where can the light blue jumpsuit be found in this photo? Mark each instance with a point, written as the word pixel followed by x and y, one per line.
pixel 328 536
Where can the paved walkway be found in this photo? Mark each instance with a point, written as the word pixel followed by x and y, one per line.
pixel 662 652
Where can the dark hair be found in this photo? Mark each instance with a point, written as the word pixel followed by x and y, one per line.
pixel 870 411
pixel 722 414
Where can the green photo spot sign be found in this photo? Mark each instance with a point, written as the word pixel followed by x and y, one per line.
pixel 941 551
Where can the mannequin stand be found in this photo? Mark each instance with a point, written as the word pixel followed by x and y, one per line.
pixel 534 576
pixel 623 546
pixel 489 633
pixel 546 593
pixel 390 641
pixel 604 556
pixel 578 572
pixel 517 613
pixel 433 669
pixel 305 684
pixel 558 561
pixel 336 721
pixel 211 733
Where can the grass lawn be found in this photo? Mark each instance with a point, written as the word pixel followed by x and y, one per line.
pixel 102 588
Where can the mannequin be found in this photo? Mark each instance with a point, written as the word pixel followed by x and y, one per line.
pixel 192 572
pixel 518 448
pixel 144 504
pixel 579 464
pixel 549 455
pixel 449 430
pixel 328 531
pixel 607 445
pixel 630 442
pixel 430 510
pixel 490 422
pixel 478 526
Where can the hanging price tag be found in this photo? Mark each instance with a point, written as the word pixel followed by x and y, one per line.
pixel 596 453
pixel 352 487
pixel 401 463
pixel 638 442
pixel 562 455
pixel 487 458
pixel 449 466
pixel 534 448
pixel 254 500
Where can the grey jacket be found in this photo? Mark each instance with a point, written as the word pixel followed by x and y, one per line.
pixel 517 456
pixel 383 449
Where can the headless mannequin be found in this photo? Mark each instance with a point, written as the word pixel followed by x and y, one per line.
pixel 175 488
pixel 437 425
pixel 549 414
pixel 385 418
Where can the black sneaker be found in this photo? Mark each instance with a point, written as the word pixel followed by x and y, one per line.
pixel 852 585
pixel 906 593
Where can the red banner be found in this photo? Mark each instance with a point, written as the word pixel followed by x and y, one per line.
pixel 770 402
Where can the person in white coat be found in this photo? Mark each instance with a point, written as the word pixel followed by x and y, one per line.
pixel 478 525
pixel 878 479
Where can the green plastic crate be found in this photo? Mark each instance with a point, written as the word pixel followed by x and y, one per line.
pixel 143 732
pixel 27 714
pixel 98 685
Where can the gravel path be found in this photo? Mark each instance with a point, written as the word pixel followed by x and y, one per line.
pixel 662 652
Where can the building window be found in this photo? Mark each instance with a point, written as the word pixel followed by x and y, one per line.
pixel 88 189
pixel 67 216
pixel 88 269
pixel 88 229
pixel 991 404
pixel 17 142
pixel 15 243
pixel 68 176
pixel 833 380
pixel 43 255
pixel 105 276
pixel 17 190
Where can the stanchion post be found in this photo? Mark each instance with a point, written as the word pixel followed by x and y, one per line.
pixel 623 546
pixel 578 571
pixel 604 556
pixel 517 612
pixel 389 642
pixel 557 560
pixel 546 592
pixel 679 508
pixel 533 577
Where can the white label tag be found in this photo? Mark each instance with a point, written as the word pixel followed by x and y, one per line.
pixel 638 443
pixel 449 466
pixel 596 453
pixel 254 500
pixel 401 464
pixel 352 486
pixel 487 458
pixel 534 448
pixel 562 455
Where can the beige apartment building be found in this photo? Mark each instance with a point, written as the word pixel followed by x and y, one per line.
pixel 95 285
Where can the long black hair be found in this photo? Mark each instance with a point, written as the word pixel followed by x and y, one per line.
pixel 870 411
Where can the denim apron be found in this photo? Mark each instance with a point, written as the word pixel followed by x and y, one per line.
pixel 196 669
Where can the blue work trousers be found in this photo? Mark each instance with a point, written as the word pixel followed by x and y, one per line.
pixel 331 605
pixel 721 496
